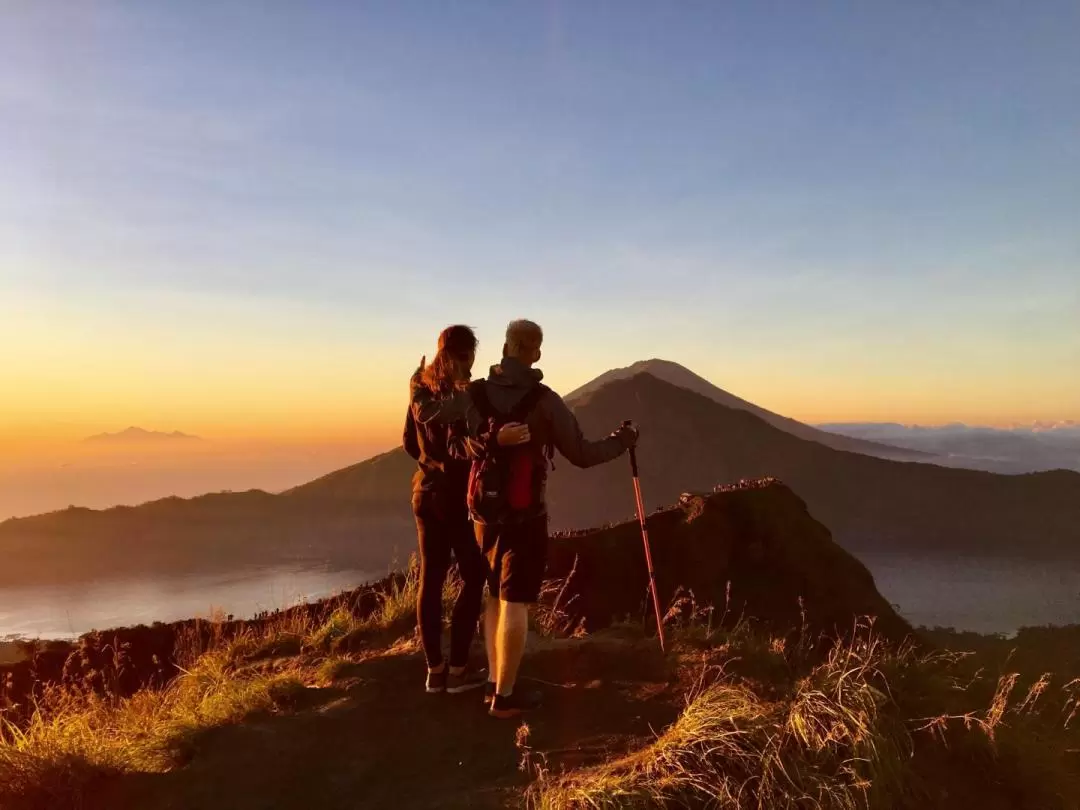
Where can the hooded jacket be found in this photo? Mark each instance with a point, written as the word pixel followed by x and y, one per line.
pixel 551 424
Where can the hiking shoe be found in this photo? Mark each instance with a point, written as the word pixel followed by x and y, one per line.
pixel 505 706
pixel 456 684
pixel 436 682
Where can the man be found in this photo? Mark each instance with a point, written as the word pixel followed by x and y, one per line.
pixel 516 548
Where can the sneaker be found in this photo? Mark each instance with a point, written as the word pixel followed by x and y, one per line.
pixel 436 682
pixel 467 680
pixel 489 692
pixel 505 706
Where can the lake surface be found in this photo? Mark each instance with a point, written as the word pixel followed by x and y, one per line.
pixel 63 612
pixel 984 595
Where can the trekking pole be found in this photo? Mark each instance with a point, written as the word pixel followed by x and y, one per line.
pixel 645 537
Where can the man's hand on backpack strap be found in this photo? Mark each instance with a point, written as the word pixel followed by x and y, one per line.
pixel 628 435
pixel 513 433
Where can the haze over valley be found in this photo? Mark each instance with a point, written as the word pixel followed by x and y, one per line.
pixel 102 473
pixel 1013 449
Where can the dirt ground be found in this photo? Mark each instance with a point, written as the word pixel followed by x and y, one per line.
pixel 376 739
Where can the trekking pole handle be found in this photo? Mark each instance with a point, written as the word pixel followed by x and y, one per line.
pixel 633 450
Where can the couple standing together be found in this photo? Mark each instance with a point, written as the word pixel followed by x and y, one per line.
pixel 483 449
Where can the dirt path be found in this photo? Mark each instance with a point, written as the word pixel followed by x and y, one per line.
pixel 377 740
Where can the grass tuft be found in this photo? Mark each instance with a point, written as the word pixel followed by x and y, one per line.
pixel 332 670
pixel 838 737
pixel 393 618
pixel 74 737
pixel 338 625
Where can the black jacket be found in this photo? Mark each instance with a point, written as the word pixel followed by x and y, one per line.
pixel 439 447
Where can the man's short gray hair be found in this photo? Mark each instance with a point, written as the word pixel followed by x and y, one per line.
pixel 523 338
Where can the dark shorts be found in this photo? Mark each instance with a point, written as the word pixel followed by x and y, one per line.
pixel 517 556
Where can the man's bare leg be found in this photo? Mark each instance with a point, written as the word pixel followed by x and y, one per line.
pixel 510 644
pixel 491 629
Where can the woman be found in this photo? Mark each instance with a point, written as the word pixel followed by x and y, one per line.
pixel 442 515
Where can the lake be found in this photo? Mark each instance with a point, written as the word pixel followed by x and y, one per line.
pixel 63 612
pixel 984 595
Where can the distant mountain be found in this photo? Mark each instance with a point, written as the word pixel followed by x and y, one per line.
pixel 683 377
pixel 137 435
pixel 377 481
pixel 1019 449
pixel 215 533
pixel 359 517
pixel 690 442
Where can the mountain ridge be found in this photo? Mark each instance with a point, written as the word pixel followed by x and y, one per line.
pixel 677 374
pixel 868 503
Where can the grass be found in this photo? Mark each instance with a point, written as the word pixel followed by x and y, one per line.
pixel 73 737
pixel 394 617
pixel 768 722
pixel 332 669
pixel 829 743
pixel 339 624
pixel 339 632
pixel 846 734
pixel 551 618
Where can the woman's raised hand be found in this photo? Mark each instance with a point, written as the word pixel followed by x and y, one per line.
pixel 415 379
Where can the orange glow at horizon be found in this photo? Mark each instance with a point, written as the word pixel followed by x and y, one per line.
pixel 328 416
pixel 296 375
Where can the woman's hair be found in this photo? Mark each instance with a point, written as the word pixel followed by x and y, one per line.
pixel 456 344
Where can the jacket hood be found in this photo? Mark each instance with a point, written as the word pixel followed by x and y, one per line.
pixel 509 381
pixel 512 373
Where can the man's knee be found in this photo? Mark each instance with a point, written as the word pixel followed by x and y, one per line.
pixel 516 613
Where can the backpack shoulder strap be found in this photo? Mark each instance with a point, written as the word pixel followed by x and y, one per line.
pixel 528 402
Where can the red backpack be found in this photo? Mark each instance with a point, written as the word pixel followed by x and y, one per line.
pixel 506 482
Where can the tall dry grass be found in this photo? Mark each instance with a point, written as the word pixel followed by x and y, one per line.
pixel 393 618
pixel 75 736
pixel 844 735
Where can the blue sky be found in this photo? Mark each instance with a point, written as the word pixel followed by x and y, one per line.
pixel 253 209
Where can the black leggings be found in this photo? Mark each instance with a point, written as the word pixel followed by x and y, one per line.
pixel 440 536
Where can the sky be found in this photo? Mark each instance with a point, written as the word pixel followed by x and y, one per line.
pixel 250 219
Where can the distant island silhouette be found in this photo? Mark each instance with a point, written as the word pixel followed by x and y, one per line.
pixel 137 434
